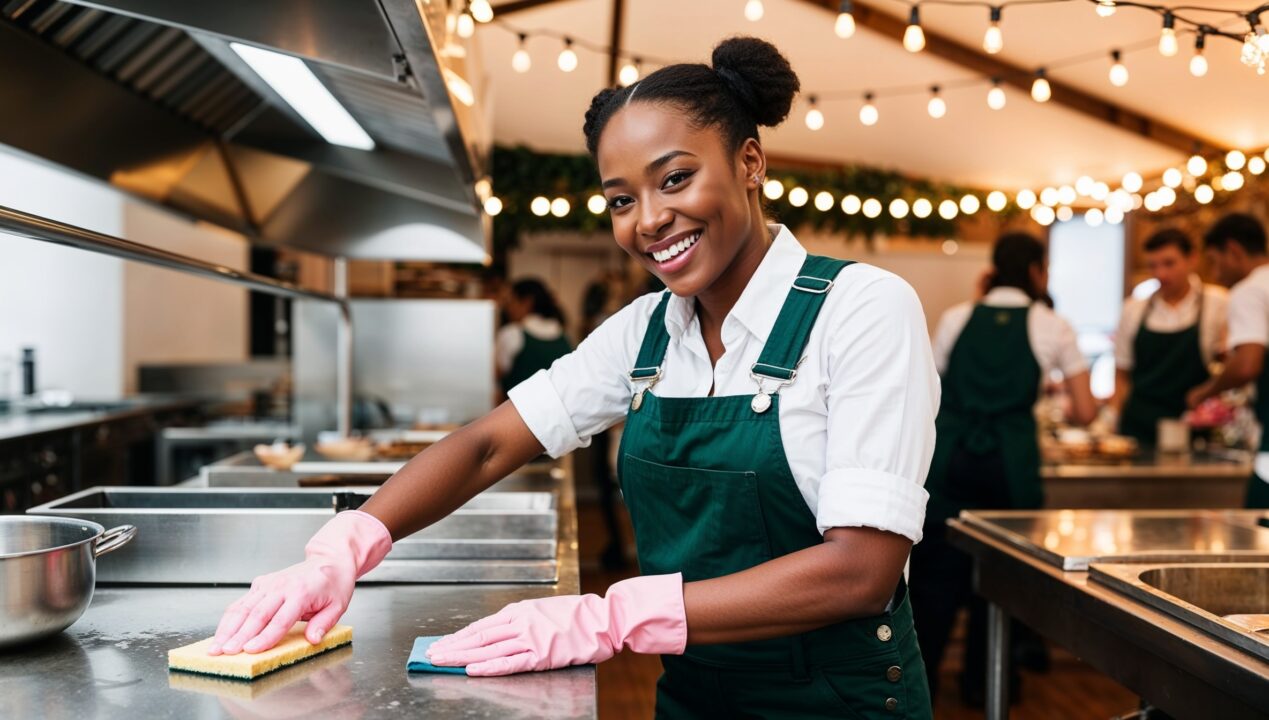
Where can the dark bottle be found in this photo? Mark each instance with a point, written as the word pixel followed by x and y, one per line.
pixel 28 371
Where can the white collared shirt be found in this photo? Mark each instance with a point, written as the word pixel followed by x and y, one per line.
pixel 1052 339
pixel 857 425
pixel 1166 318
pixel 1249 309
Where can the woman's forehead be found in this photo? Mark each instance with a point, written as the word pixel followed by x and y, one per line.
pixel 642 132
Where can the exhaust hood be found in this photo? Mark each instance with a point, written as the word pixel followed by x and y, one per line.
pixel 180 102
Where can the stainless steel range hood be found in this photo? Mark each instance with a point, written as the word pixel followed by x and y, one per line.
pixel 149 96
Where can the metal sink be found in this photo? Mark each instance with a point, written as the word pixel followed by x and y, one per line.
pixel 1221 599
pixel 223 535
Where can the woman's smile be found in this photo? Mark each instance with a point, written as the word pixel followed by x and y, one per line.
pixel 673 254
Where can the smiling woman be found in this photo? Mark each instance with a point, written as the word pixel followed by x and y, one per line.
pixel 779 411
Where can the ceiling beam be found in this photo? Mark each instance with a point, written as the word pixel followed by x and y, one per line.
pixel 511 8
pixel 614 40
pixel 944 47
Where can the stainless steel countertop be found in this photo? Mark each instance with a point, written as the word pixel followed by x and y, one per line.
pixel 1151 464
pixel 113 662
pixel 19 424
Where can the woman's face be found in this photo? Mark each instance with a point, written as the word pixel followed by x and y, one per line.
pixel 681 203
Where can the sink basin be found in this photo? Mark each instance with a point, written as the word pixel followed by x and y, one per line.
pixel 1221 599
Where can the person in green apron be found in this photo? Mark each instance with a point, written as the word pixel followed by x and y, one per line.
pixel 779 412
pixel 1235 252
pixel 1166 341
pixel 534 336
pixel 992 356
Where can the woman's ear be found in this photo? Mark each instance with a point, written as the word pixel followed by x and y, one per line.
pixel 752 161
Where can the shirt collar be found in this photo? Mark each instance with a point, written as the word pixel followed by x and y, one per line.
pixel 762 298
pixel 1006 297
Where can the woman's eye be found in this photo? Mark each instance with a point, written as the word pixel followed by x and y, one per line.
pixel 677 178
pixel 618 202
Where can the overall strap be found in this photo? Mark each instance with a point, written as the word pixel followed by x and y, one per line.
pixel 655 341
pixel 782 353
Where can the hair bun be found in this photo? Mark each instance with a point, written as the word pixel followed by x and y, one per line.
pixel 760 77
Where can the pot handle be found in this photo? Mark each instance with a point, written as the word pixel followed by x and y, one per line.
pixel 113 539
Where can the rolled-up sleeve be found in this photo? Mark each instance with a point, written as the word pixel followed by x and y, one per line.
pixel 588 390
pixel 882 397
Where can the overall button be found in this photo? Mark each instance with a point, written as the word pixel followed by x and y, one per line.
pixel 892 704
pixel 894 673
pixel 883 633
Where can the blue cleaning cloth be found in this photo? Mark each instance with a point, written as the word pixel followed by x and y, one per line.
pixel 418 658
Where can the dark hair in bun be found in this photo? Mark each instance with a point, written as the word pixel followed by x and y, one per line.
pixel 750 84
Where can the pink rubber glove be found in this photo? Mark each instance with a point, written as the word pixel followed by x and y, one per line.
pixel 644 614
pixel 318 590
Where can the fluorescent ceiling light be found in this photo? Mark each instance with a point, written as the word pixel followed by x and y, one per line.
pixel 299 87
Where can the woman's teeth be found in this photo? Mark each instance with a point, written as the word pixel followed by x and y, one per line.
pixel 676 248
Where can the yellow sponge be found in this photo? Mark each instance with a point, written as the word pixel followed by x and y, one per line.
pixel 292 649
pixel 239 689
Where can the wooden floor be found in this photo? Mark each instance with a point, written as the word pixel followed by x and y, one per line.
pixel 1070 691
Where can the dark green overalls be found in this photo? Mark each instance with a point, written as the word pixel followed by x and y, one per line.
pixel 1166 365
pixel 986 455
pixel 534 356
pixel 710 493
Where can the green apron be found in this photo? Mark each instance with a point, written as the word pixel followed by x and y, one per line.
pixel 1165 367
pixel 534 356
pixel 989 392
pixel 710 493
pixel 1257 488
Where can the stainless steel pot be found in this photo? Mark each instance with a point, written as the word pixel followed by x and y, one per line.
pixel 48 568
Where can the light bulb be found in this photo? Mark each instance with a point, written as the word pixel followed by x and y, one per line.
pixel 493 206
pixel 1167 37
pixel 629 74
pixel 568 59
pixel 872 208
pixel 823 201
pixel 1065 213
pixel 465 26
pixel 1040 90
pixel 1114 216
pixel 1049 196
pixel 868 114
pixel 540 206
pixel 1100 191
pixel 1232 180
pixel 1118 71
pixel 1026 199
pixel 1105 8
pixel 948 209
pixel 970 204
pixel 1197 165
pixel 1066 195
pixel 844 27
pixel 814 118
pixel 922 208
pixel 1203 194
pixel 1235 160
pixel 1043 214
pixel 996 97
pixel 798 196
pixel 851 204
pixel 1132 182
pixel 1153 203
pixel 898 208
pixel 1198 65
pixel 1166 195
pixel 773 189
pixel 596 204
pixel 950 247
pixel 481 10
pixel 996 201
pixel 1172 177
pixel 1093 217
pixel 1256 165
pixel 521 62
pixel 754 10
pixel 560 207
pixel 913 35
pixel 936 107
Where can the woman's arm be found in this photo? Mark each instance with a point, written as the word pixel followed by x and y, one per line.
pixel 443 477
pixel 853 573
pixel 1083 404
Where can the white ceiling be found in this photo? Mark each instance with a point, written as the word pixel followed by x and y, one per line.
pixel 1024 145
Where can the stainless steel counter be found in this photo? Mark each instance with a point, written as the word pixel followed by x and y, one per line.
pixel 23 424
pixel 1150 480
pixel 113 662
pixel 1226 463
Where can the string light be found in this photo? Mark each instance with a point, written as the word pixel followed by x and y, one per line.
pixel 560 207
pixel 868 114
pixel 540 206
pixel 493 206
pixel 1198 63
pixel 773 189
pixel 1204 194
pixel 1025 199
pixel 1197 165
pixel 1153 203
pixel 898 208
pixel 1049 196
pixel 996 201
pixel 1256 165
pixel 1232 181
pixel 1065 213
pixel 1114 215
pixel 1094 217
pixel 936 107
pixel 823 201
pixel 1132 182
pixel 1105 8
pixel 844 26
pixel 481 10
pixel 872 208
pixel 1167 37
pixel 993 39
pixel 521 62
pixel 922 208
pixel 948 209
pixel 568 58
pixel 1040 90
pixel 1118 71
pixel 851 204
pixel 1235 160
pixel 596 204
pixel 1166 195
pixel 950 247
pixel 1084 185
pixel 814 118
pixel 970 204
pixel 913 35
pixel 996 95
pixel 1100 191
pixel 465 26
pixel 754 10
pixel 629 73
pixel 798 196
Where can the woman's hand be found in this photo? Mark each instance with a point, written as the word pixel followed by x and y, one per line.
pixel 644 614
pixel 318 589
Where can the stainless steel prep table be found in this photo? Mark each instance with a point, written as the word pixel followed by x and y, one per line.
pixel 1216 479
pixel 1177 667
pixel 113 662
